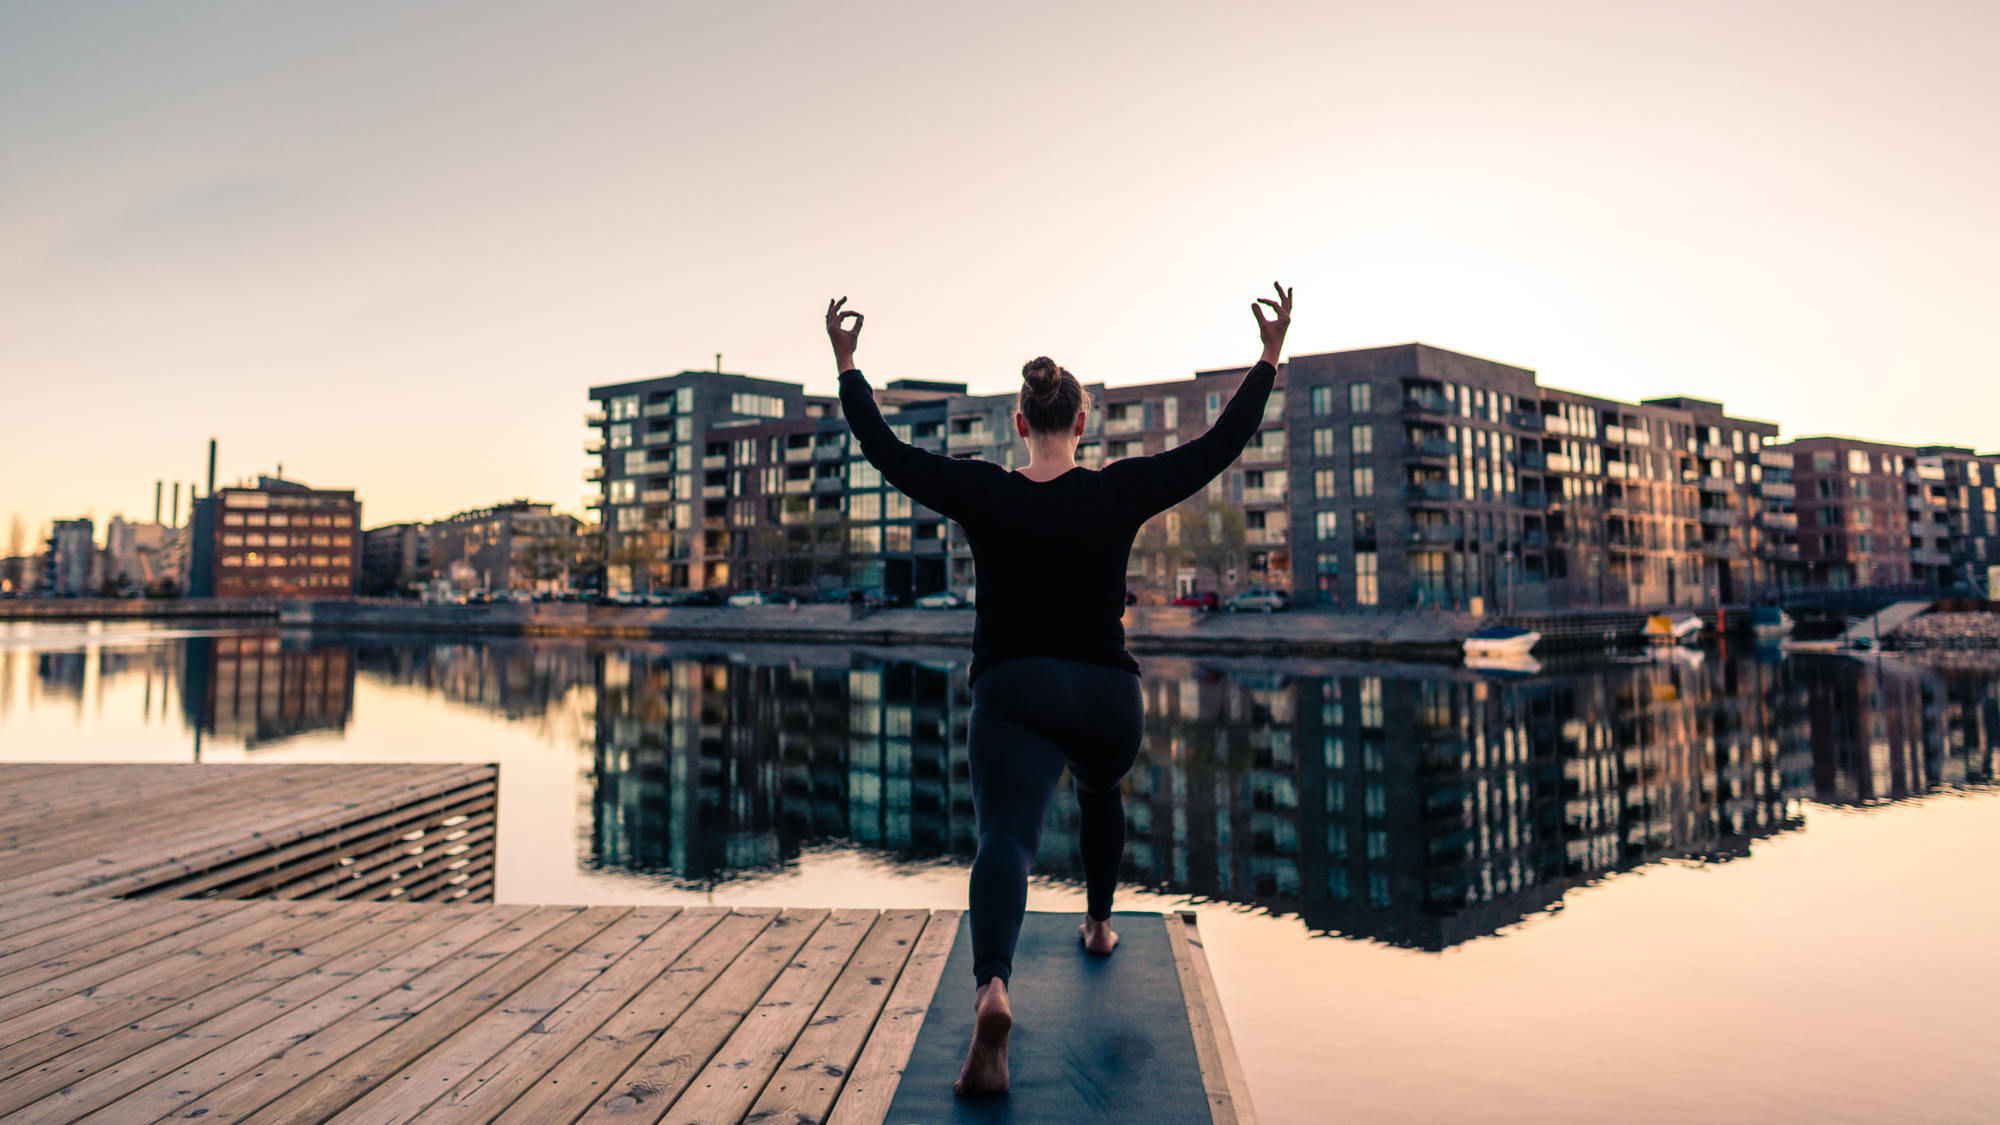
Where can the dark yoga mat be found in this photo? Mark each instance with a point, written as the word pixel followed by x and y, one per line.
pixel 1096 1039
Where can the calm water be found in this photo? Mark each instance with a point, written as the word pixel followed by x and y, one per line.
pixel 1721 888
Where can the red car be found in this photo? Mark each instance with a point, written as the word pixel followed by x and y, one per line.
pixel 1199 599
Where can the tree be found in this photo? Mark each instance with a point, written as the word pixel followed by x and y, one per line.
pixel 17 536
pixel 1212 536
pixel 633 553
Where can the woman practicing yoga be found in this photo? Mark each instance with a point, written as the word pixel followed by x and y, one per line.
pixel 1052 684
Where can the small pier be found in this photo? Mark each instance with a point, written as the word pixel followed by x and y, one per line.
pixel 318 943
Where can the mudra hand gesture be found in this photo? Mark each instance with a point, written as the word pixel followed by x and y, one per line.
pixel 1273 331
pixel 844 339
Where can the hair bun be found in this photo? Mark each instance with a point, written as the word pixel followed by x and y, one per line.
pixel 1042 375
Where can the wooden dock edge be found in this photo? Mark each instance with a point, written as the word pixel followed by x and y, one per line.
pixel 1221 1071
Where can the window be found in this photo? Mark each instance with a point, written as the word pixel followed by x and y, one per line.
pixel 1321 401
pixel 253 558
pixel 1857 461
pixel 1325 524
pixel 756 405
pixel 1366 591
pixel 1364 526
pixel 1323 483
pixel 1362 439
pixel 865 506
pixel 1322 441
pixel 624 406
pixel 1364 482
pixel 1326 565
pixel 621 436
pixel 1360 398
pixel 861 474
pixel 865 540
pixel 232 560
pixel 1864 543
pixel 232 540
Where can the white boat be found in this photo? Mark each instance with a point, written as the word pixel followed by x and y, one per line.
pixel 1677 628
pixel 1769 622
pixel 1501 640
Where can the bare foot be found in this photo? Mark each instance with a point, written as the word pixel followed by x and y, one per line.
pixel 1098 937
pixel 985 1069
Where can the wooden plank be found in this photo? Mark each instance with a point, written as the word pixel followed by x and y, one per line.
pixel 810 1077
pixel 871 1086
pixel 1225 1046
pixel 172 931
pixel 1221 1107
pixel 488 1090
pixel 405 1094
pixel 244 1058
pixel 248 944
pixel 745 1061
pixel 336 802
pixel 316 852
pixel 592 1068
pixel 68 916
pixel 259 805
pixel 327 1081
pixel 665 1068
pixel 88 1075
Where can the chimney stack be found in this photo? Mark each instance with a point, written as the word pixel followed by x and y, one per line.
pixel 211 466
pixel 158 485
pixel 177 504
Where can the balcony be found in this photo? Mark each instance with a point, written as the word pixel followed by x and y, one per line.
pixel 1925 557
pixel 1924 474
pixel 1125 425
pixel 1426 402
pixel 1264 453
pixel 1437 533
pixel 1718 517
pixel 1263 496
pixel 1429 490
pixel 1777 489
pixel 657 496
pixel 1533 459
pixel 1264 536
pixel 829 484
pixel 1774 459
pixel 1720 549
pixel 657 437
pixel 594 446
pixel 1779 552
pixel 714 491
pixel 1532 498
pixel 657 409
pixel 1778 521
pixel 1710 451
pixel 830 450
pixel 596 473
pixel 715 461
pixel 593 418
pixel 1525 419
pixel 1715 484
pixel 1431 447
pixel 1534 539
pixel 798 453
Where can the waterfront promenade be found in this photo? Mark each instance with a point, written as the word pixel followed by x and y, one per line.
pixel 313 943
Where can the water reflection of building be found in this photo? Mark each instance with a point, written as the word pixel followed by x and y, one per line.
pixel 1421 808
pixel 1889 729
pixel 255 688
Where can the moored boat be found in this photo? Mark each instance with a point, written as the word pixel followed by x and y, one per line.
pixel 1676 628
pixel 1770 622
pixel 1501 640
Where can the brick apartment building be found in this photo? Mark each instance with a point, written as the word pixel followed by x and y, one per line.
pixel 278 539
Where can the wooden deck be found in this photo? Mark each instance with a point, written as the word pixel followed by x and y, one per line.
pixel 411 999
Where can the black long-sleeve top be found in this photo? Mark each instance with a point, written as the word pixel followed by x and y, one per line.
pixel 1049 557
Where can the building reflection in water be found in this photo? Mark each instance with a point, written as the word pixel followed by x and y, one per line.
pixel 262 687
pixel 1416 806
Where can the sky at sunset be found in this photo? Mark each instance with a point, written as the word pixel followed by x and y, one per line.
pixel 391 245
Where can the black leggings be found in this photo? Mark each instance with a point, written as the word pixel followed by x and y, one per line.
pixel 1031 716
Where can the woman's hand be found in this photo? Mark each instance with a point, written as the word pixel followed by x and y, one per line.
pixel 845 339
pixel 1273 331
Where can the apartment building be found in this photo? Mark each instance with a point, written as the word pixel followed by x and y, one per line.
pixel 1394 477
pixel 278 539
pixel 395 557
pixel 510 546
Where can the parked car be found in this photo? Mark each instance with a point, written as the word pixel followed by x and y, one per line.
pixel 942 599
pixel 701 598
pixel 748 597
pixel 1261 598
pixel 834 595
pixel 1199 599
pixel 876 597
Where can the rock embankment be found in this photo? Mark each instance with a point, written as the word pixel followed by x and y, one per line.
pixel 1949 630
